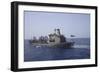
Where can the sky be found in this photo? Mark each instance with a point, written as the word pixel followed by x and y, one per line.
pixel 43 23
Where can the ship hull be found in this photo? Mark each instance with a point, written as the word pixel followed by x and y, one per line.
pixel 60 45
pixel 63 45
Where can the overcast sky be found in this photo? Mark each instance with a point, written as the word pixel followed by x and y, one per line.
pixel 44 23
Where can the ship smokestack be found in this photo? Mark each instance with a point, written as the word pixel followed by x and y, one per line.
pixel 58 31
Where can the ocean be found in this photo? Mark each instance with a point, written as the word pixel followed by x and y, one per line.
pixel 80 50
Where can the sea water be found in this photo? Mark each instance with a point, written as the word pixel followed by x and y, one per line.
pixel 80 50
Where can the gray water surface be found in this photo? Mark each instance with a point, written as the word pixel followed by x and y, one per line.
pixel 81 50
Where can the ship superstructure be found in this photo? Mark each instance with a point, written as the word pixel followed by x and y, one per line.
pixel 53 40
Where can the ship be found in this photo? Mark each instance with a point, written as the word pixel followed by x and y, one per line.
pixel 53 40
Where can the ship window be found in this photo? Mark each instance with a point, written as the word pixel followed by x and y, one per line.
pixel 52 40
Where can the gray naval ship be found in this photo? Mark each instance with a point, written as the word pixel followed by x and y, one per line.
pixel 54 40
